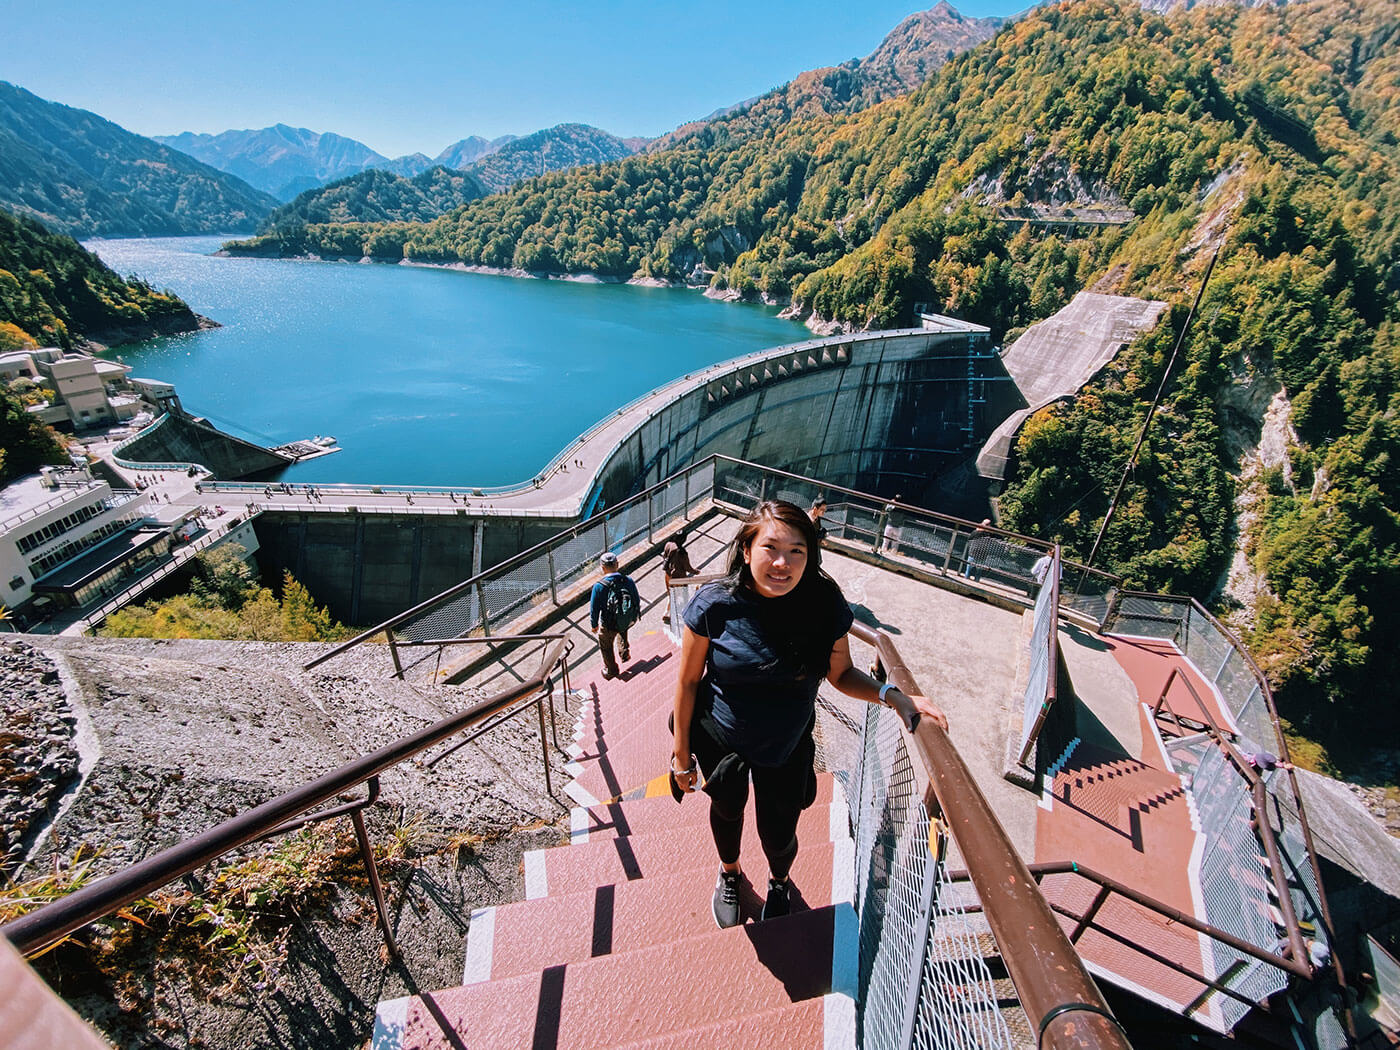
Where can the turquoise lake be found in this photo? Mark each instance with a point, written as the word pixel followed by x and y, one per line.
pixel 423 376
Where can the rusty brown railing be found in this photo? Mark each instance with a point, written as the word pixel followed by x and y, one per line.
pixel 44 926
pixel 1059 996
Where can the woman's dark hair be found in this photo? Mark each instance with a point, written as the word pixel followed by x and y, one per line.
pixel 795 623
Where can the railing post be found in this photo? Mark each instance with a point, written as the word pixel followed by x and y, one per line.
pixel 372 869
pixel 651 519
pixel 605 532
pixel 394 652
pixel 485 616
pixel 544 748
pixel 948 558
pixel 685 497
pixel 914 989
pixel 553 579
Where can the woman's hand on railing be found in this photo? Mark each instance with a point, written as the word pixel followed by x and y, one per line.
pixel 911 709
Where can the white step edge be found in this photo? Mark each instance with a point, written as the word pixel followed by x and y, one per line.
pixel 838 1022
pixel 580 794
pixel 536 881
pixel 390 1020
pixel 578 825
pixel 481 943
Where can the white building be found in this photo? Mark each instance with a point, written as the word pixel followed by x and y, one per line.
pixel 65 535
pixel 84 391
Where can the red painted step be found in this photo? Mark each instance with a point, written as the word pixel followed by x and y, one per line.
pixel 816 1023
pixel 569 869
pixel 616 999
pixel 611 919
pixel 644 815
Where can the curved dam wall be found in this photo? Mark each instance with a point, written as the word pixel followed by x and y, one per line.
pixel 885 412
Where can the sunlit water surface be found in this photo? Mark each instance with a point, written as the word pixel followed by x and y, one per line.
pixel 424 376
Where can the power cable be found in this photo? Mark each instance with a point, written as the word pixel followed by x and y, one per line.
pixel 1151 411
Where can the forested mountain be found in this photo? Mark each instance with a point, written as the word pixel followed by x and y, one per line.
pixel 377 196
pixel 905 58
pixel 1270 133
pixel 54 292
pixel 281 160
pixel 553 149
pixel 83 175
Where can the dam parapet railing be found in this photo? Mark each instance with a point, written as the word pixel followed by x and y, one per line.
pixel 949 551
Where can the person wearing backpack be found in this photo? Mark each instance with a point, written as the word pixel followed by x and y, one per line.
pixel 613 608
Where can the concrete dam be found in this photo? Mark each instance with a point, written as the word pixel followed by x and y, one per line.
pixel 885 412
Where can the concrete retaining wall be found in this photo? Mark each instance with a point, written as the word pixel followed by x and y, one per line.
pixel 365 568
pixel 180 439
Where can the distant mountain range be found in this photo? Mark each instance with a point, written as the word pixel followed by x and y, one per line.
pixel 80 174
pixel 286 162
pixel 915 48
pixel 377 195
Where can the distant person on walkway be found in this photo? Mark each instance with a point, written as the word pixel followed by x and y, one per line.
pixel 755 649
pixel 816 513
pixel 1265 761
pixel 1040 571
pixel 675 565
pixel 889 538
pixel 979 549
pixel 613 608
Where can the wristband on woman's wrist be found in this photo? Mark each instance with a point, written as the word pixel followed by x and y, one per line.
pixel 692 771
pixel 885 690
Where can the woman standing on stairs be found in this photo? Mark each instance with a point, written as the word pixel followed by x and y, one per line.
pixel 754 650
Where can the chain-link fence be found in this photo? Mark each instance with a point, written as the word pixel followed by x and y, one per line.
pixel 1236 885
pixel 924 980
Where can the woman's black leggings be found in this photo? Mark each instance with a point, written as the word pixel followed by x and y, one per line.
pixel 779 792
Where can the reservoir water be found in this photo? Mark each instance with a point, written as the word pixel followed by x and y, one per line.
pixel 423 376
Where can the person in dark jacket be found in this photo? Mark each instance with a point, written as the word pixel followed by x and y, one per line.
pixel 754 651
pixel 604 625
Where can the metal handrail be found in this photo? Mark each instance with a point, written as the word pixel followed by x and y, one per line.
pixel 711 461
pixel 1297 950
pixel 1267 695
pixel 1059 996
pixel 524 556
pixel 1300 968
pixel 44 926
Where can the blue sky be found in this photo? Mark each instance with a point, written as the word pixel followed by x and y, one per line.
pixel 415 76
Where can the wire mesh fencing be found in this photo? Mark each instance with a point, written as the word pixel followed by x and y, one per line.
pixel 1235 883
pixel 923 976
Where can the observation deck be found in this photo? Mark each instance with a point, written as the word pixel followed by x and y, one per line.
pixel 941 902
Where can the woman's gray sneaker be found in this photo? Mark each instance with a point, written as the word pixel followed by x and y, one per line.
pixel 725 902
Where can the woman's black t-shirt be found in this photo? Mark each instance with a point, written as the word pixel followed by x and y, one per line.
pixel 758 697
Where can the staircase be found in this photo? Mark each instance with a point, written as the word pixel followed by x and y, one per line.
pixel 614 944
